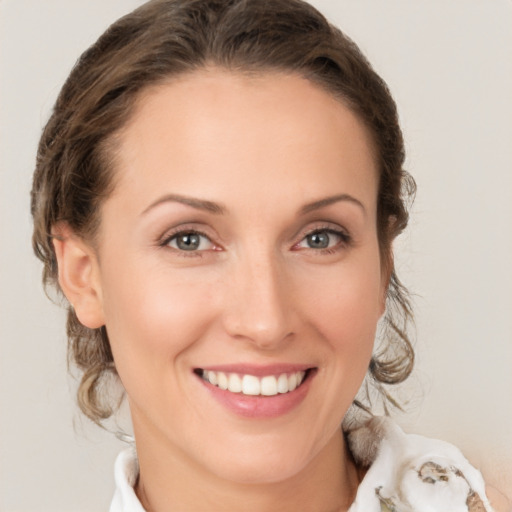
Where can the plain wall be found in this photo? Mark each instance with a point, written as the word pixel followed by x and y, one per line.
pixel 448 66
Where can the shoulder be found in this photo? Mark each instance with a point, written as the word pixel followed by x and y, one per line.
pixel 499 501
pixel 412 472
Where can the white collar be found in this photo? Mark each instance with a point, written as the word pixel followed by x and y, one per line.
pixel 126 472
pixel 407 473
pixel 412 473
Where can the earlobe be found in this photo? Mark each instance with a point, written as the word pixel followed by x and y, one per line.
pixel 78 275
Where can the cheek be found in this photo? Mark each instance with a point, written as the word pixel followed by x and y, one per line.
pixel 345 307
pixel 154 314
pixel 353 305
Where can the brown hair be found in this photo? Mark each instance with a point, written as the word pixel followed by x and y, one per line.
pixel 165 38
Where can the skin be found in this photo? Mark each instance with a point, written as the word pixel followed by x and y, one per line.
pixel 257 155
pixel 498 500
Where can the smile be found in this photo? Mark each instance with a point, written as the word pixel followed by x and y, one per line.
pixel 250 385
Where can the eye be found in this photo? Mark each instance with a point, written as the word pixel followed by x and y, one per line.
pixel 322 239
pixel 319 240
pixel 189 241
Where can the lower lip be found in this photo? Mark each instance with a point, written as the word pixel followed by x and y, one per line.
pixel 260 406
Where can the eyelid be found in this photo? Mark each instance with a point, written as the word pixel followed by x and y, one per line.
pixel 164 240
pixel 335 229
pixel 189 228
pixel 324 226
pixel 176 237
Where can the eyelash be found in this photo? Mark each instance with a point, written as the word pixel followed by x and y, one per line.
pixel 345 241
pixel 169 237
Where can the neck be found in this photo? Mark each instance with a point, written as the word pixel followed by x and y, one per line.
pixel 168 480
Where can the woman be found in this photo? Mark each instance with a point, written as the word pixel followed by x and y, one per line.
pixel 216 195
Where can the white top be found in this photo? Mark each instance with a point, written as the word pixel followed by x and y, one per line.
pixel 126 471
pixel 407 473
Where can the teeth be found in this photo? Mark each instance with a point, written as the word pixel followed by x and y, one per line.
pixel 212 377
pixel 282 383
pixel 269 385
pixel 292 382
pixel 251 385
pixel 221 379
pixel 234 383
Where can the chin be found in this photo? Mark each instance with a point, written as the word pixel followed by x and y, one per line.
pixel 262 460
pixel 259 472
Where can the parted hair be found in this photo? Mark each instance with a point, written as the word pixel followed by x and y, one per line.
pixel 165 38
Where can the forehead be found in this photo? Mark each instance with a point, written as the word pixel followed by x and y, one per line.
pixel 213 130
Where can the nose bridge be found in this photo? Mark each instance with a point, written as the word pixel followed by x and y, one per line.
pixel 258 307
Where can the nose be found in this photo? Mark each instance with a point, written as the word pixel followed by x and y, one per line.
pixel 258 306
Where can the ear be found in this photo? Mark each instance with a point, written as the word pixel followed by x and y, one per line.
pixel 79 276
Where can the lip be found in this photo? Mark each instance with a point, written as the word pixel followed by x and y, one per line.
pixel 261 407
pixel 258 370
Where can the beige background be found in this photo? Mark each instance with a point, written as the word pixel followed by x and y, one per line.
pixel 448 65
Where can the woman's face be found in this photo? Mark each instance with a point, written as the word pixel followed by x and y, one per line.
pixel 239 249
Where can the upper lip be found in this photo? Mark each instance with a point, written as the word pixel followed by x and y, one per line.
pixel 258 370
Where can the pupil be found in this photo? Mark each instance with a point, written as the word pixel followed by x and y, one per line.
pixel 188 242
pixel 318 240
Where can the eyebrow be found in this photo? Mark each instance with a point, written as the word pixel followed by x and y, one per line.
pixel 198 204
pixel 322 203
pixel 212 207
